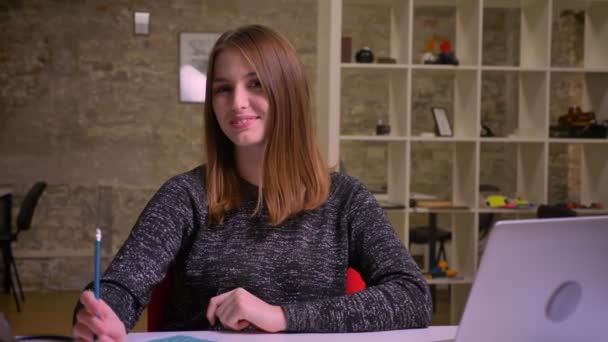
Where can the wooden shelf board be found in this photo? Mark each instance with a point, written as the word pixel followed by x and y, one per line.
pixel 371 138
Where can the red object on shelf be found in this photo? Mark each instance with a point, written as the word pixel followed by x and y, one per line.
pixel 445 46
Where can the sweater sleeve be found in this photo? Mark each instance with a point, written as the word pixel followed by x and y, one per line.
pixel 144 258
pixel 397 296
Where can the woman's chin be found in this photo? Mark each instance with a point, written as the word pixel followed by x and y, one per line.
pixel 245 142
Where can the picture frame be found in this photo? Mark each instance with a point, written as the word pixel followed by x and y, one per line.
pixel 194 50
pixel 442 124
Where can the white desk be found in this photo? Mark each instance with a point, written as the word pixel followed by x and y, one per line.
pixel 432 334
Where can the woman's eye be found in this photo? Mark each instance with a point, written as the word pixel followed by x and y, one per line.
pixel 222 89
pixel 255 84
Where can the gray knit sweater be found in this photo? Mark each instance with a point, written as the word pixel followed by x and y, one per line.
pixel 299 265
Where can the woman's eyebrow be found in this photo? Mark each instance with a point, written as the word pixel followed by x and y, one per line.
pixel 222 79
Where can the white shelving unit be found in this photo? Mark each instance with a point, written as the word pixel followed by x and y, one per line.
pixel 531 73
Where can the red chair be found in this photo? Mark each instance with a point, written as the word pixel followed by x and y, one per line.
pixel 354 281
pixel 160 296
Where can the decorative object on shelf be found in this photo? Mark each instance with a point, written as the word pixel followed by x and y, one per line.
pixel 364 55
pixel 382 128
pixel 503 202
pixel 347 49
pixel 485 131
pixel 442 270
pixel 429 56
pixel 446 55
pixel 386 60
pixel 577 205
pixel 577 118
pixel 578 124
pixel 442 125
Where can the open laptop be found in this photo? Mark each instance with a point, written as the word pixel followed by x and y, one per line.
pixel 541 280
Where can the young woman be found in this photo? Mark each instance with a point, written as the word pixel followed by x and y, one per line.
pixel 261 237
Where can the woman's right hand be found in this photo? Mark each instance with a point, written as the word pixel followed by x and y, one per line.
pixel 96 318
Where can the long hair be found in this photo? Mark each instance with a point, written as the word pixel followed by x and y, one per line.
pixel 295 177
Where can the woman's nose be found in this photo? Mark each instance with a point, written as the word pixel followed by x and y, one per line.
pixel 241 98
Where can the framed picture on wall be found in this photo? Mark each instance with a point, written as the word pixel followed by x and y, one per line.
pixel 194 49
pixel 442 124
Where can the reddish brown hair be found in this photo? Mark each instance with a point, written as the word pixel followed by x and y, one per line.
pixel 295 177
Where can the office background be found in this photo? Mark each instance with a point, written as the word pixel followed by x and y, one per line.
pixel 93 109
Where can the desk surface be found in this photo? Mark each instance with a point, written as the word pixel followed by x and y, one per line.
pixel 432 334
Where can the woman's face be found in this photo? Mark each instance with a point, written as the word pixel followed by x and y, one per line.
pixel 239 102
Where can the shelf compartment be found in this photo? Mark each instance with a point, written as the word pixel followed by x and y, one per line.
pixel 440 139
pixel 526 24
pixel 588 90
pixel 445 170
pixel 514 103
pixel 457 21
pixel 464 239
pixel 513 68
pixel 391 17
pixel 596 34
pixel 524 211
pixel 578 141
pixel 369 95
pixel 458 248
pixel 381 166
pixel 578 173
pixel 517 169
pixel 374 66
pixel 422 210
pixel 450 281
pixel 371 138
pixel 579 70
pixel 456 90
pixel 587 20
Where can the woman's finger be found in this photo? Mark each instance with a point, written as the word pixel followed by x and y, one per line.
pixel 232 314
pixel 213 305
pixel 81 332
pixel 92 322
pixel 242 324
pixel 95 306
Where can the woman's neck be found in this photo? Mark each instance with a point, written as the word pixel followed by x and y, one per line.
pixel 250 163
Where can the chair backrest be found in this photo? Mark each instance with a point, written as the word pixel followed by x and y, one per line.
pixel 26 213
pixel 5 216
pixel 161 295
pixel 354 281
pixel 550 211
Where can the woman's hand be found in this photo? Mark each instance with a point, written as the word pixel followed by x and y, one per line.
pixel 97 318
pixel 239 309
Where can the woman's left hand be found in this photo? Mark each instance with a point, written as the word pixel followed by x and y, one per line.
pixel 238 309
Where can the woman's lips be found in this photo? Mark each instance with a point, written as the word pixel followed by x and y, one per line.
pixel 243 122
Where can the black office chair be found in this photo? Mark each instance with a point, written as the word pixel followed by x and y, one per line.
pixel 422 234
pixel 549 211
pixel 24 221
